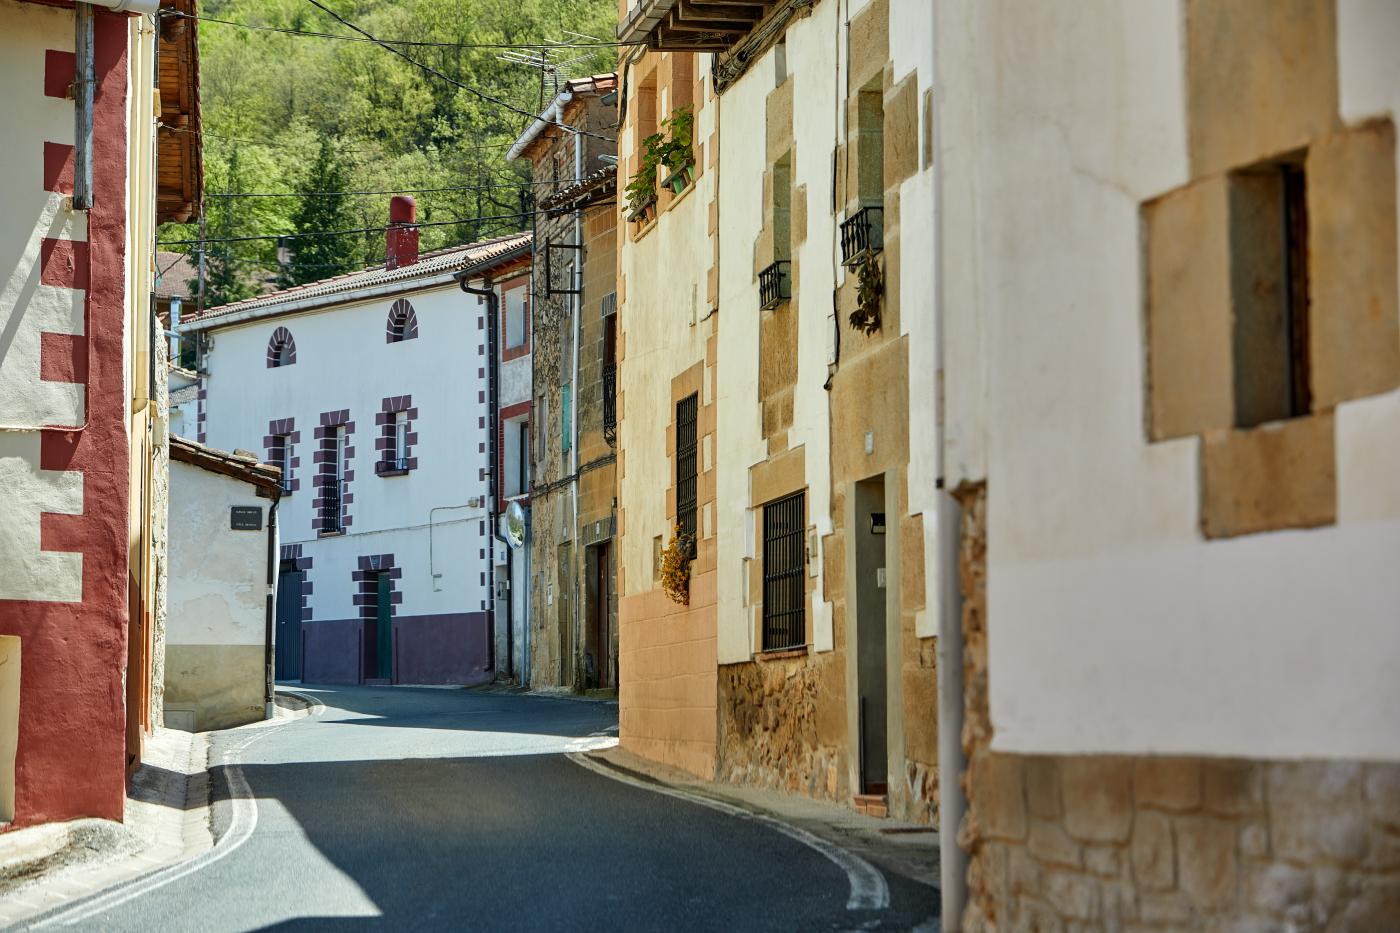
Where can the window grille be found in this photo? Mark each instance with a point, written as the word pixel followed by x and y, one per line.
pixel 610 400
pixel 773 285
pixel 333 485
pixel 862 234
pixel 784 559
pixel 687 467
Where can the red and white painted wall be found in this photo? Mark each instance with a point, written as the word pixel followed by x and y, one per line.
pixel 74 557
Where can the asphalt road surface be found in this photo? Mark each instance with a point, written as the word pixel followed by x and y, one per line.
pixel 424 809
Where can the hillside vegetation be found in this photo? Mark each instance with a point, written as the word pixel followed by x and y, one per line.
pixel 286 114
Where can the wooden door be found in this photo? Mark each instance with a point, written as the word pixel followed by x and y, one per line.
pixel 288 638
pixel 383 631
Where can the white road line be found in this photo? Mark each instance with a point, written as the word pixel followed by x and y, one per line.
pixel 868 888
pixel 241 825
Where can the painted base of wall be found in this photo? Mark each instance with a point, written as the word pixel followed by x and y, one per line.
pixel 445 648
pixel 221 684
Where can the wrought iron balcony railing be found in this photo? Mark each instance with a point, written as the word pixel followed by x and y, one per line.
pixel 862 234
pixel 330 507
pixel 610 402
pixel 774 286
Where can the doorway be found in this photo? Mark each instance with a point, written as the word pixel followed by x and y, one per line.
pixel 288 637
pixel 378 650
pixel 597 657
pixel 564 601
pixel 871 627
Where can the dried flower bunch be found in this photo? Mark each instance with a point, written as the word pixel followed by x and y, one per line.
pixel 675 567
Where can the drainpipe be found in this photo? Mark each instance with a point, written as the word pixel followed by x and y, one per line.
pixel 952 803
pixel 577 299
pixel 493 406
pixel 270 686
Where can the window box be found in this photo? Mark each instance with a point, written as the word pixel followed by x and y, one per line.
pixel 644 214
pixel 681 179
pixel 862 235
pixel 774 286
pixel 393 466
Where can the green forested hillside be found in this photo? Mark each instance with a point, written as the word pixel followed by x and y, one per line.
pixel 292 113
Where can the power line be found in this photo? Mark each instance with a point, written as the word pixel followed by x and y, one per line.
pixel 406 42
pixel 453 81
pixel 277 144
pixel 297 236
pixel 524 183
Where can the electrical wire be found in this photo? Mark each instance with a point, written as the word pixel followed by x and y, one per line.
pixel 524 183
pixel 428 69
pixel 406 42
pixel 273 144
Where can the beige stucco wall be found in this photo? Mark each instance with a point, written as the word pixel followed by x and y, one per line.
pixel 218 589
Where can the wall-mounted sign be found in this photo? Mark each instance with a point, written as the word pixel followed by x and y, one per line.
pixel 245 518
pixel 877 523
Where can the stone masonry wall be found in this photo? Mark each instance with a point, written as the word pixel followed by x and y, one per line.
pixel 782 724
pixel 1104 843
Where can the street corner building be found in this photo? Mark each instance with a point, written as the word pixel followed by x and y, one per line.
pixel 82 431
pixel 223 559
pixel 778 418
pixel 370 392
pixel 572 335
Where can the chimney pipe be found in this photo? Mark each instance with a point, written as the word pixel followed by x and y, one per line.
pixel 401 237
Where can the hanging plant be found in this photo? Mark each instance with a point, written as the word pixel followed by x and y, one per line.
pixel 641 190
pixel 870 286
pixel 678 151
pixel 675 567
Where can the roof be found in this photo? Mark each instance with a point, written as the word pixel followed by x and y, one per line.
pixel 175 275
pixel 239 466
pixel 443 263
pixel 599 184
pixel 592 86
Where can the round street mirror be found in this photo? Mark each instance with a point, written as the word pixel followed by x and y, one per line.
pixel 515 525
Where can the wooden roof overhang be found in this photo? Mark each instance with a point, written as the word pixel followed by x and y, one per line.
pixel 179 147
pixel 692 25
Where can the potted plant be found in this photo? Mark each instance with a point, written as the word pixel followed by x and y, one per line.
pixel 675 567
pixel 678 152
pixel 641 190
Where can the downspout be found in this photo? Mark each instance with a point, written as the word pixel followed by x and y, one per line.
pixel 952 803
pixel 576 286
pixel 270 691
pixel 493 405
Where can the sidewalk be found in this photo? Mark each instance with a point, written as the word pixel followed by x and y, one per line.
pixel 166 820
pixel 906 849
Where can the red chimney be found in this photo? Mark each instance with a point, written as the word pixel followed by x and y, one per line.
pixel 401 238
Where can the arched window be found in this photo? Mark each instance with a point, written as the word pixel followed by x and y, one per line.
pixel 281 349
pixel 403 323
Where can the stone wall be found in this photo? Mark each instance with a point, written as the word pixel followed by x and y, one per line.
pixel 782 724
pixel 1155 843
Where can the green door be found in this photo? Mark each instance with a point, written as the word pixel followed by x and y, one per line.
pixel 384 636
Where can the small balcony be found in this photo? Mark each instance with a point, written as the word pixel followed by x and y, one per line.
pixel 774 285
pixel 392 466
pixel 610 402
pixel 330 509
pixel 862 235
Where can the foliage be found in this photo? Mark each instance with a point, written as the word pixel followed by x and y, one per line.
pixel 225 282
pixel 641 190
pixel 319 257
pixel 392 126
pixel 679 149
pixel 870 286
pixel 675 567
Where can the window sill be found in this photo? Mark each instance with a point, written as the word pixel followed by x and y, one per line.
pixel 330 534
pixel 781 654
pixel 395 472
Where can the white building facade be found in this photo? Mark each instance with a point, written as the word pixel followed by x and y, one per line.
pixel 371 391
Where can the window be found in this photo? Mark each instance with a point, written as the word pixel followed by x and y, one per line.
pixel 1269 268
pixel 281 349
pixel 515 308
pixel 782 207
pixel 870 144
pixel 402 324
pixel 564 412
pixel 400 448
pixel 610 369
pixel 784 559
pixel 686 466
pixel 333 483
pixel 282 459
pixel 523 467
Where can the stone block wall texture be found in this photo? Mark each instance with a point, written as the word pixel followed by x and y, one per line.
pixel 1107 843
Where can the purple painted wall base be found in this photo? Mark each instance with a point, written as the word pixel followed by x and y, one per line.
pixel 447 648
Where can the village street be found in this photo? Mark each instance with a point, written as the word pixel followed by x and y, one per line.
pixel 404 808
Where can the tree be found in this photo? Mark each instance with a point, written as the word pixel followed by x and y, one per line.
pixel 324 208
pixel 223 282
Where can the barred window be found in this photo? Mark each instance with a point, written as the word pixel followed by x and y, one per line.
pixel 687 467
pixel 784 558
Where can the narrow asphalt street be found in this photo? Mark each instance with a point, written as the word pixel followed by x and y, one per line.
pixel 426 809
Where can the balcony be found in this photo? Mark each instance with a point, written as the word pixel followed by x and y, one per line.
pixel 392 466
pixel 774 286
pixel 862 235
pixel 692 25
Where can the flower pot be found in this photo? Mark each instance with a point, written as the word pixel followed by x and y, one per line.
pixel 681 178
pixel 644 214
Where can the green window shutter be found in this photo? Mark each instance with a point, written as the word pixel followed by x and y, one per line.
pixel 565 410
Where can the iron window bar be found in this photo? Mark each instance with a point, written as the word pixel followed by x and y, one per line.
pixel 687 464
pixel 862 234
pixel 784 577
pixel 330 506
pixel 610 402
pixel 774 286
